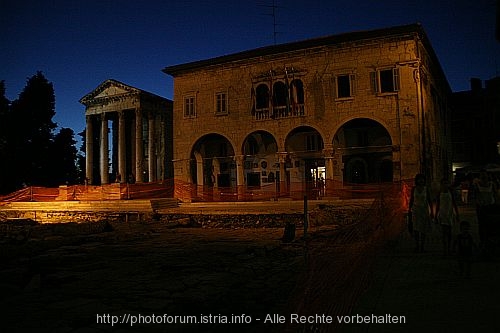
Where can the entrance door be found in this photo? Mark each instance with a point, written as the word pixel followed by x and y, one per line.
pixel 315 178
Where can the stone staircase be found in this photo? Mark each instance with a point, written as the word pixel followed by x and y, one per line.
pixel 139 205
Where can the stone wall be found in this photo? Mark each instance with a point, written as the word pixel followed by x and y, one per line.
pixel 323 215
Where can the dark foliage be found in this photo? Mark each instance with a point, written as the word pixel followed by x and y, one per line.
pixel 64 155
pixel 5 130
pixel 30 153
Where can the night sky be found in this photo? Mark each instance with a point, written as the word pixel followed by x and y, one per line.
pixel 80 44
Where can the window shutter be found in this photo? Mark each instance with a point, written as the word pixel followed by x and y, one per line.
pixel 334 87
pixel 395 77
pixel 352 80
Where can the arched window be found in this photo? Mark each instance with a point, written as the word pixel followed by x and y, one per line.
pixel 279 100
pixel 262 97
pixel 297 91
pixel 280 94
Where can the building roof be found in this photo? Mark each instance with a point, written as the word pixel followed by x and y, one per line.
pixel 123 90
pixel 403 30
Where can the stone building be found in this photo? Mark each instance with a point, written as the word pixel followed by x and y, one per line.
pixel 311 117
pixel 140 140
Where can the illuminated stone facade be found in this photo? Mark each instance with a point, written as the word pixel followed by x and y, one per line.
pixel 311 116
pixel 138 146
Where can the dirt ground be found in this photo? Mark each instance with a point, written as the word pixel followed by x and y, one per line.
pixel 63 283
pixel 92 278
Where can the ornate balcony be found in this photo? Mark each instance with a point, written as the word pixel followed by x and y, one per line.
pixel 280 112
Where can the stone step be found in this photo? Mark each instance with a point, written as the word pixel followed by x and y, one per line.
pixel 104 205
pixel 163 203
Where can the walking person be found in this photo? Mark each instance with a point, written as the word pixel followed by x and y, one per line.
pixel 464 191
pixel 446 214
pixel 484 193
pixel 421 211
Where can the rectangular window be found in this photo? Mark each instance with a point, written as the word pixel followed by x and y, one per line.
pixel 189 107
pixel 345 86
pixel 385 80
pixel 221 103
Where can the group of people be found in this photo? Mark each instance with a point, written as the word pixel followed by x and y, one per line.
pixel 426 207
pixel 468 187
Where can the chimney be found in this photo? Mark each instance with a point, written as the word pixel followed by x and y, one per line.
pixel 476 84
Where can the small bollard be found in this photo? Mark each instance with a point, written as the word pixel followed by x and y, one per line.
pixel 289 233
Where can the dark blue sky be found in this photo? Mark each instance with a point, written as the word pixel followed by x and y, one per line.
pixel 79 44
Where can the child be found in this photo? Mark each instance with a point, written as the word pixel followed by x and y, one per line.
pixel 465 245
pixel 447 213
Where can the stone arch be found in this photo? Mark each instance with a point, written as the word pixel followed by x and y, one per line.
pixel 304 140
pixel 212 159
pixel 304 161
pixel 339 125
pixel 365 147
pixel 260 162
pixel 259 142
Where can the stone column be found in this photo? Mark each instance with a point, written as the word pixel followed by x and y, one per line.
pixel 214 176
pixel 89 151
pixel 199 169
pixel 282 160
pixel 151 148
pixel 396 162
pixel 131 171
pixel 122 167
pixel 329 177
pixel 104 150
pixel 240 176
pixel 139 177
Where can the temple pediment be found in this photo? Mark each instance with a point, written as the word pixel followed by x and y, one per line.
pixel 109 89
pixel 112 91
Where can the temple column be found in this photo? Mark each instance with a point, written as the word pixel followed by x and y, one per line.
pixel 89 151
pixel 151 148
pixel 131 172
pixel 139 177
pixel 122 167
pixel 104 150
pixel 240 176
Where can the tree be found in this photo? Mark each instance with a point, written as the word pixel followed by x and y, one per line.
pixel 30 153
pixel 32 115
pixel 5 133
pixel 64 153
pixel 80 158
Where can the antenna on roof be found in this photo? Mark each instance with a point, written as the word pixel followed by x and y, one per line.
pixel 274 6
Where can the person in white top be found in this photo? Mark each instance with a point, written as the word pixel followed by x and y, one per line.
pixel 421 211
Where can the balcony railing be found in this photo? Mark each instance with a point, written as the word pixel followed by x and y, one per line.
pixel 280 112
